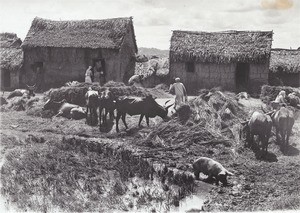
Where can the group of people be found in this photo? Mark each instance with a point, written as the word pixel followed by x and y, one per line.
pixel 281 99
pixel 95 75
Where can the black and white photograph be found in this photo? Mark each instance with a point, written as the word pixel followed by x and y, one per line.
pixel 150 106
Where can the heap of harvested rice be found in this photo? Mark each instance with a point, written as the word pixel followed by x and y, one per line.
pixel 114 84
pixel 269 93
pixel 2 101
pixel 75 94
pixel 204 121
pixel 163 87
pixel 33 106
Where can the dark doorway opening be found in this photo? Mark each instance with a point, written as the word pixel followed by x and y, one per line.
pixel 38 72
pixel 5 79
pixel 242 77
pixel 99 71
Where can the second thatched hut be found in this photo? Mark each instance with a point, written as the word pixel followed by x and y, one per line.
pixel 285 67
pixel 11 61
pixel 234 60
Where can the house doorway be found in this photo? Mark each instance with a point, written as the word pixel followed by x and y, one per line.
pixel 38 71
pixel 242 77
pixel 5 79
pixel 99 71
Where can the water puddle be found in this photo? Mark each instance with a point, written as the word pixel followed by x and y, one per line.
pixel 190 203
pixel 195 201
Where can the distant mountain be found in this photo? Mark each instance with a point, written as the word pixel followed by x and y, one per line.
pixel 153 51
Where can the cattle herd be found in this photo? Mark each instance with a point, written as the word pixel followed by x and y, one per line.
pixel 261 124
pixel 100 104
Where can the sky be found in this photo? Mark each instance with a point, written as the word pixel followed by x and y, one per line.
pixel 154 20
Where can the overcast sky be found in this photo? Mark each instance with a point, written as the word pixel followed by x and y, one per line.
pixel 154 20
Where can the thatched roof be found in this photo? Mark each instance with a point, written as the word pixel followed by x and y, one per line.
pixel 285 60
pixel 8 40
pixel 10 51
pixel 107 33
pixel 221 47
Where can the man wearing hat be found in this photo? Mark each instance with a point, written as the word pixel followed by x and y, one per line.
pixel 180 93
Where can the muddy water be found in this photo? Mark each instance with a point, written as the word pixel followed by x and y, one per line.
pixel 196 200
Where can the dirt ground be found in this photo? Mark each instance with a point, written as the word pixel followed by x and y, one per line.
pixel 269 182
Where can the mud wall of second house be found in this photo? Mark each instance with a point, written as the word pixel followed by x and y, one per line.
pixel 209 75
pixel 60 65
pixel 205 75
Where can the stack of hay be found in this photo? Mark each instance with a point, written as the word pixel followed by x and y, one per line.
pixel 75 94
pixel 203 121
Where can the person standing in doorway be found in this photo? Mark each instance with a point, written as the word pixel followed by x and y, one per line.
pixel 180 93
pixel 88 75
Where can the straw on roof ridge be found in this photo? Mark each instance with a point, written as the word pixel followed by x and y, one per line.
pixel 221 47
pixel 106 33
pixel 285 60
pixel 8 40
pixel 10 51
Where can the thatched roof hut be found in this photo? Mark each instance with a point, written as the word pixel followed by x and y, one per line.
pixel 285 66
pixel 221 47
pixel 11 60
pixel 107 44
pixel 227 49
pixel 285 60
pixel 94 34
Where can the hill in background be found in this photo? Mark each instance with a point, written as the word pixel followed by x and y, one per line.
pixel 153 51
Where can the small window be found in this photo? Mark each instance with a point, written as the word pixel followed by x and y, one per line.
pixel 190 67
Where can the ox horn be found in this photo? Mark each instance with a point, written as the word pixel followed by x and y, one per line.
pixel 167 102
pixel 167 107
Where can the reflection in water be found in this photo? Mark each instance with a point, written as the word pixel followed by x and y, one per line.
pixel 192 202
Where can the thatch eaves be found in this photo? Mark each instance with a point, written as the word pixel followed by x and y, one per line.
pixel 221 47
pixel 94 34
pixel 10 52
pixel 285 60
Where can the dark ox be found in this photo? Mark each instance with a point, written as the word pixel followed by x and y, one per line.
pixel 147 107
pixel 283 120
pixel 20 92
pixel 107 103
pixel 62 108
pixel 259 124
